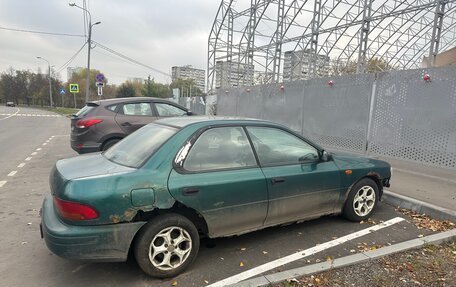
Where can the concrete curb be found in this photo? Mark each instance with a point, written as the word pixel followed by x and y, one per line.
pixel 418 206
pixel 268 280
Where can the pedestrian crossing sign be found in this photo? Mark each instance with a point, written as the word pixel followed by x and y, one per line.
pixel 74 88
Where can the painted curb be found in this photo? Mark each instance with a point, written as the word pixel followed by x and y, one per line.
pixel 267 280
pixel 418 206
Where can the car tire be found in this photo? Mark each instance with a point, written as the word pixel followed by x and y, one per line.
pixel 109 143
pixel 362 200
pixel 166 245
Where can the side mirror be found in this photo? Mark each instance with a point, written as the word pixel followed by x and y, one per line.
pixel 325 156
pixel 190 113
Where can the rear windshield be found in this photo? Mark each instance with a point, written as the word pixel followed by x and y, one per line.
pixel 85 110
pixel 133 150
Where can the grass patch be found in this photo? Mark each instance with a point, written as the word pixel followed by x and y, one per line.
pixel 63 111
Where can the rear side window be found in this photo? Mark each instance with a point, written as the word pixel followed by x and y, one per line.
pixel 137 109
pixel 220 148
pixel 112 108
pixel 87 109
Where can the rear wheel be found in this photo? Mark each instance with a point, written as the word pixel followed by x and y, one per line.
pixel 362 200
pixel 166 245
pixel 109 143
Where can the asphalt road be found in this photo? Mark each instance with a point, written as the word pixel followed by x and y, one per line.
pixel 39 141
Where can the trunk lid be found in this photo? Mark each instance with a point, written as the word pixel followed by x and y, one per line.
pixel 92 165
pixel 87 110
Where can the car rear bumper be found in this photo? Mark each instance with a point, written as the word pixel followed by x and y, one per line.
pixel 95 243
pixel 84 147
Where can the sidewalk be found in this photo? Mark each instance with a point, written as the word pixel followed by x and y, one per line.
pixel 426 183
pixel 433 185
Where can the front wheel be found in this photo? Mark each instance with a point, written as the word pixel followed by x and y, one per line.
pixel 361 201
pixel 166 245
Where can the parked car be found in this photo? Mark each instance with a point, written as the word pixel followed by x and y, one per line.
pixel 161 188
pixel 10 104
pixel 101 124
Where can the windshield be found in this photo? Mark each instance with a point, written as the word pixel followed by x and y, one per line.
pixel 133 150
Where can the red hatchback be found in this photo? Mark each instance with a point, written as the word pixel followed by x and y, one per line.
pixel 101 124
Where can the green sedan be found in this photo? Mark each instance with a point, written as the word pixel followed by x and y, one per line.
pixel 168 184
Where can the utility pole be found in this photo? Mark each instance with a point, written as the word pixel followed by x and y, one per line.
pixel 89 46
pixel 50 81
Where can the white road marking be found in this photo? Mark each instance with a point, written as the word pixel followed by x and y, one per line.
pixel 28 115
pixel 21 165
pixel 38 149
pixel 29 158
pixel 34 153
pixel 301 254
pixel 2 183
pixel 12 173
pixel 10 115
pixel 44 143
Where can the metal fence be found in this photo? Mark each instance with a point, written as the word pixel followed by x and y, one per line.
pixel 394 114
pixel 194 104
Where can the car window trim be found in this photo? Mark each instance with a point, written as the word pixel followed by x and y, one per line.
pixel 192 139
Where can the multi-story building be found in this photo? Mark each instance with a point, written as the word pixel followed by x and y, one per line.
pixel 135 80
pixel 188 72
pixel 297 65
pixel 232 74
pixel 73 70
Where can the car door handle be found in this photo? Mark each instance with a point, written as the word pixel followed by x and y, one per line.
pixel 277 180
pixel 190 190
pixel 126 124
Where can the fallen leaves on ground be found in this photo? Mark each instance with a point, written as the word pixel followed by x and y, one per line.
pixel 422 221
pixel 429 266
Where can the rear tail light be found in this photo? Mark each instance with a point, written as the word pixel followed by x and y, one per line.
pixel 81 124
pixel 74 211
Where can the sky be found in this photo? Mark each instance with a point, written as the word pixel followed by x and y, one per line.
pixel 158 33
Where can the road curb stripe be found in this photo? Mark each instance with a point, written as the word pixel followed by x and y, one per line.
pixel 301 254
pixel 268 280
pixel 402 201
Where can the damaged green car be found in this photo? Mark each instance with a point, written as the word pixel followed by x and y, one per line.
pixel 160 189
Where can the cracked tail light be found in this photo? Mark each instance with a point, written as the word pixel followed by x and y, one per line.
pixel 74 211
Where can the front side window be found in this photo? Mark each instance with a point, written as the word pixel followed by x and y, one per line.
pixel 220 148
pixel 278 147
pixel 137 109
pixel 133 150
pixel 166 110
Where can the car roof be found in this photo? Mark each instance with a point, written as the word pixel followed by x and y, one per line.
pixel 106 102
pixel 181 122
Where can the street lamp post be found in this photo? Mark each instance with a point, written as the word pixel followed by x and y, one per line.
pixel 50 82
pixel 89 44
